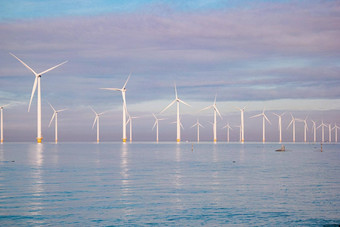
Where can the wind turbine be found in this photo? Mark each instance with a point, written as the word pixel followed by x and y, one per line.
pixel 292 122
pixel 35 85
pixel 213 106
pixel 242 122
pixel 329 133
pixel 264 119
pixel 227 126
pixel 198 129
pixel 177 100
pixel 123 90
pixel 280 124
pixel 156 125
pixel 322 131
pixel 314 130
pixel 305 127
pixel 335 128
pixel 2 123
pixel 55 115
pixel 96 120
pixel 130 122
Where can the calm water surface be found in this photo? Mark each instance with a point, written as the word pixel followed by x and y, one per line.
pixel 87 184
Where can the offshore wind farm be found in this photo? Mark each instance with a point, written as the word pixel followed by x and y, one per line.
pixel 169 113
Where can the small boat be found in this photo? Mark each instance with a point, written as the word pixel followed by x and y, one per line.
pixel 282 148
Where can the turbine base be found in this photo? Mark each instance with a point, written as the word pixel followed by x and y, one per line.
pixel 56 141
pixel 124 140
pixel 1 141
pixel 215 140
pixel 97 141
pixel 39 139
pixel 178 140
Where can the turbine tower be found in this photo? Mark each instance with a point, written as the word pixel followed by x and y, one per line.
pixel 280 125
pixel 227 126
pixel 214 107
pixel 264 119
pixel 198 129
pixel 292 122
pixel 35 85
pixel 55 115
pixel 335 128
pixel 156 125
pixel 242 123
pixel 2 123
pixel 322 131
pixel 329 133
pixel 314 131
pixel 96 120
pixel 123 90
pixel 178 123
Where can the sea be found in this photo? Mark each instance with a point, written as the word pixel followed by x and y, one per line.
pixel 169 184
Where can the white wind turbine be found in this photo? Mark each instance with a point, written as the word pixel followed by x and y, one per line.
pixel 55 115
pixel 280 124
pixel 198 129
pixel 264 119
pixel 305 127
pixel 35 85
pixel 156 125
pixel 314 131
pixel 214 107
pixel 2 123
pixel 227 126
pixel 123 90
pixel 130 122
pixel 329 133
pixel 96 120
pixel 322 131
pixel 178 122
pixel 242 122
pixel 292 122
pixel 335 128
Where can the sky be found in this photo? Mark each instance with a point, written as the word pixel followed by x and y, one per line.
pixel 281 56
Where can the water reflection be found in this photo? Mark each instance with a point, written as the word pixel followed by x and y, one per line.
pixel 36 157
pixel 125 182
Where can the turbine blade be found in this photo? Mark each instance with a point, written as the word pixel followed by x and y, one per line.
pixel 219 114
pixel 52 107
pixel 168 106
pixel 95 119
pixel 51 119
pixel 93 110
pixel 206 108
pixel 290 123
pixel 111 89
pixel 183 102
pixel 61 110
pixel 52 68
pixel 24 64
pixel 154 125
pixel 33 91
pixel 266 118
pixel 176 91
pixel 257 115
pixel 126 81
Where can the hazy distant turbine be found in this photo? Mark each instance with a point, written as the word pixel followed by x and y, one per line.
pixel 123 90
pixel 178 123
pixel 280 125
pixel 55 115
pixel 227 126
pixel 130 122
pixel 242 123
pixel 37 83
pixel 96 120
pixel 335 128
pixel 214 107
pixel 198 129
pixel 292 122
pixel 156 125
pixel 264 119
pixel 329 133
pixel 2 123
pixel 305 127
pixel 314 131
pixel 322 131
